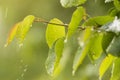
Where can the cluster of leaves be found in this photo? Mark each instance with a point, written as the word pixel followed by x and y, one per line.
pixel 100 35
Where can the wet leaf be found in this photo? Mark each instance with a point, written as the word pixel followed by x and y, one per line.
pixel 75 21
pixel 106 63
pixel 98 21
pixel 54 32
pixel 82 50
pixel 107 38
pixel 12 34
pixel 95 43
pixel 53 65
pixel 24 27
pixel 114 47
pixel 117 4
pixel 70 3
pixel 116 70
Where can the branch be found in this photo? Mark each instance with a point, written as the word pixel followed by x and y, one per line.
pixel 47 22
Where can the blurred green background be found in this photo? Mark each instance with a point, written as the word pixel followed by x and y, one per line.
pixel 28 62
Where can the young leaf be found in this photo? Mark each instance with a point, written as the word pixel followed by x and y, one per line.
pixel 106 63
pixel 95 49
pixel 107 38
pixel 79 57
pixel 82 50
pixel 98 21
pixel 70 3
pixel 114 47
pixel 116 70
pixel 75 21
pixel 53 65
pixel 24 27
pixel 117 4
pixel 54 32
pixel 12 34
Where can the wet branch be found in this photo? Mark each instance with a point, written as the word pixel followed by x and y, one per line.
pixel 47 22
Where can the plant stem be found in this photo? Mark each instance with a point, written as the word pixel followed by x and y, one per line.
pixel 47 22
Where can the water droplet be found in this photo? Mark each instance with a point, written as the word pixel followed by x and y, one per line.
pixel 73 72
pixel 22 75
pixel 25 70
pixel 26 66
pixel 6 45
pixel 81 44
pixel 65 41
pixel 20 45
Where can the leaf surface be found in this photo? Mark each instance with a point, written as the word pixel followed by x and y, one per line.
pixel 54 56
pixel 70 3
pixel 116 70
pixel 98 21
pixel 12 34
pixel 106 63
pixel 24 27
pixel 54 32
pixel 75 21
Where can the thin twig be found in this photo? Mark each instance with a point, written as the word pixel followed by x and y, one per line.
pixel 47 22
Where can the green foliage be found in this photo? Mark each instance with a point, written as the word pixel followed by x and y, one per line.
pixel 70 3
pixel 95 49
pixel 117 4
pixel 82 50
pixel 98 21
pixel 20 29
pixel 106 63
pixel 115 70
pixel 24 27
pixel 100 34
pixel 107 38
pixel 54 32
pixel 53 65
pixel 114 46
pixel 75 21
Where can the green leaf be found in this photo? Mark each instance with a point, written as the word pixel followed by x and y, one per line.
pixel 24 27
pixel 54 32
pixel 75 21
pixel 114 47
pixel 70 3
pixel 98 21
pixel 79 57
pixel 53 65
pixel 116 70
pixel 106 63
pixel 82 50
pixel 107 38
pixel 95 49
pixel 113 12
pixel 117 4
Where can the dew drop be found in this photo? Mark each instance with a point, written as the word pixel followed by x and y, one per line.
pixel 20 45
pixel 65 41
